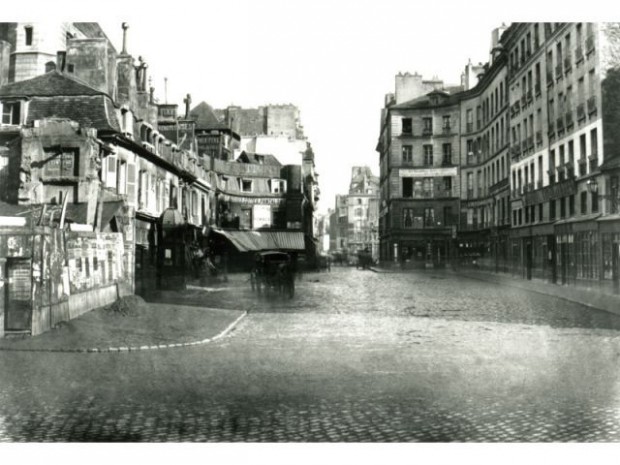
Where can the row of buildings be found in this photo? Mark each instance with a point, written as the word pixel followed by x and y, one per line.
pixel 105 191
pixel 516 167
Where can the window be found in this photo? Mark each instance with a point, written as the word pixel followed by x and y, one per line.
pixel 552 209
pixel 584 202
pixel 11 112
pixel 407 217
pixel 407 128
pixel 447 215
pixel 246 186
pixel 224 183
pixel 131 182
pixel 278 186
pixel 447 154
pixel 562 207
pixel 28 35
pixel 427 187
pixel 407 154
pixel 407 187
pixel 70 68
pixel 429 216
pixel 427 125
pixel 447 183
pixel 359 211
pixel 61 163
pixel 540 212
pixel 571 205
pixel 593 143
pixel 594 202
pixel 428 154
pixel 446 123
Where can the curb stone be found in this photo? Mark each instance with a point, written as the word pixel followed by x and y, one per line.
pixel 127 349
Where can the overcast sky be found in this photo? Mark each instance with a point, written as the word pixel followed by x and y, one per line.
pixel 334 59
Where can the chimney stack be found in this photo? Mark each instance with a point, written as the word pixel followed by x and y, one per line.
pixel 60 60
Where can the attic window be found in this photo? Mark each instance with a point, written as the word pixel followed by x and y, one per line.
pixel 260 159
pixel 11 113
pixel 70 67
pixel 28 33
pixel 246 185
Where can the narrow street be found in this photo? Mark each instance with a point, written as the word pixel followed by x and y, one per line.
pixel 355 356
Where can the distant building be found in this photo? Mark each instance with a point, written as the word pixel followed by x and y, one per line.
pixel 354 223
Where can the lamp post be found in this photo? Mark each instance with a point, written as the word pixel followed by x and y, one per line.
pixel 614 197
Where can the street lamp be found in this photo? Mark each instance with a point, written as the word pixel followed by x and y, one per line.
pixel 614 197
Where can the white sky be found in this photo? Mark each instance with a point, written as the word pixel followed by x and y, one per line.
pixel 334 59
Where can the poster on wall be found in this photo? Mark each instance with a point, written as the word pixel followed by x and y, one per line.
pixel 261 216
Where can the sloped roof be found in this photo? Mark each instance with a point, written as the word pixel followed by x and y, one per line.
pixel 205 117
pixel 96 111
pixel 49 84
pixel 251 159
pixel 424 100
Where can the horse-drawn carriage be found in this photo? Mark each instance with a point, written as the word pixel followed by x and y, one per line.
pixel 273 272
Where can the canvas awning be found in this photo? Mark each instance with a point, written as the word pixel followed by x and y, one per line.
pixel 248 241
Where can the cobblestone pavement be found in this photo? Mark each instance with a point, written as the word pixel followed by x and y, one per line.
pixel 355 357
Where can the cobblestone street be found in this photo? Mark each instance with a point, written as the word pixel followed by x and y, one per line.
pixel 356 356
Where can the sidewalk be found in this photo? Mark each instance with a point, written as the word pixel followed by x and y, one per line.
pixel 590 298
pixel 139 326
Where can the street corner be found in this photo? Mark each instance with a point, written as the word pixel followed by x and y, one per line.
pixel 130 324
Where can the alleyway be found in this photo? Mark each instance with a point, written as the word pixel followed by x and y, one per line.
pixel 355 356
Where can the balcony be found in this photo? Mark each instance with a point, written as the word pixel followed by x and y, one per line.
pixel 470 194
pixel 569 119
pixel 591 105
pixel 515 150
pixel 427 131
pixel 530 142
pixel 583 166
pixel 529 96
pixel 470 127
pixel 559 124
pixel 524 145
pixel 515 108
pixel 446 161
pixel 406 133
pixel 589 44
pixel 523 100
pixel 447 129
pixel 581 112
pixel 593 161
pixel 558 72
pixel 539 139
pixel 567 64
pixel 579 55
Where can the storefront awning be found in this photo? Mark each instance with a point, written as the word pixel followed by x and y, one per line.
pixel 247 241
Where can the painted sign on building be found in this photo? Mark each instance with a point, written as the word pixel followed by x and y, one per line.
pixel 261 216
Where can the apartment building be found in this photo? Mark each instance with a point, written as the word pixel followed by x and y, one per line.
pixel 563 143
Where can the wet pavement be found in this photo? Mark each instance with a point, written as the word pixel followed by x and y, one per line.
pixel 355 356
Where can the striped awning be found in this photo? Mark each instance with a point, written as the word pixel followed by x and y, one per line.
pixel 247 241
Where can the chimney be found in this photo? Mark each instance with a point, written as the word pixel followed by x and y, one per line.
pixel 60 60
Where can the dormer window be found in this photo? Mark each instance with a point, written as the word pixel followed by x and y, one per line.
pixel 28 35
pixel 11 113
pixel 278 186
pixel 260 159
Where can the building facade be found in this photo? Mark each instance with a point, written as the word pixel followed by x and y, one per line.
pixel 419 179
pixel 538 160
pixel 563 82
pixel 357 215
